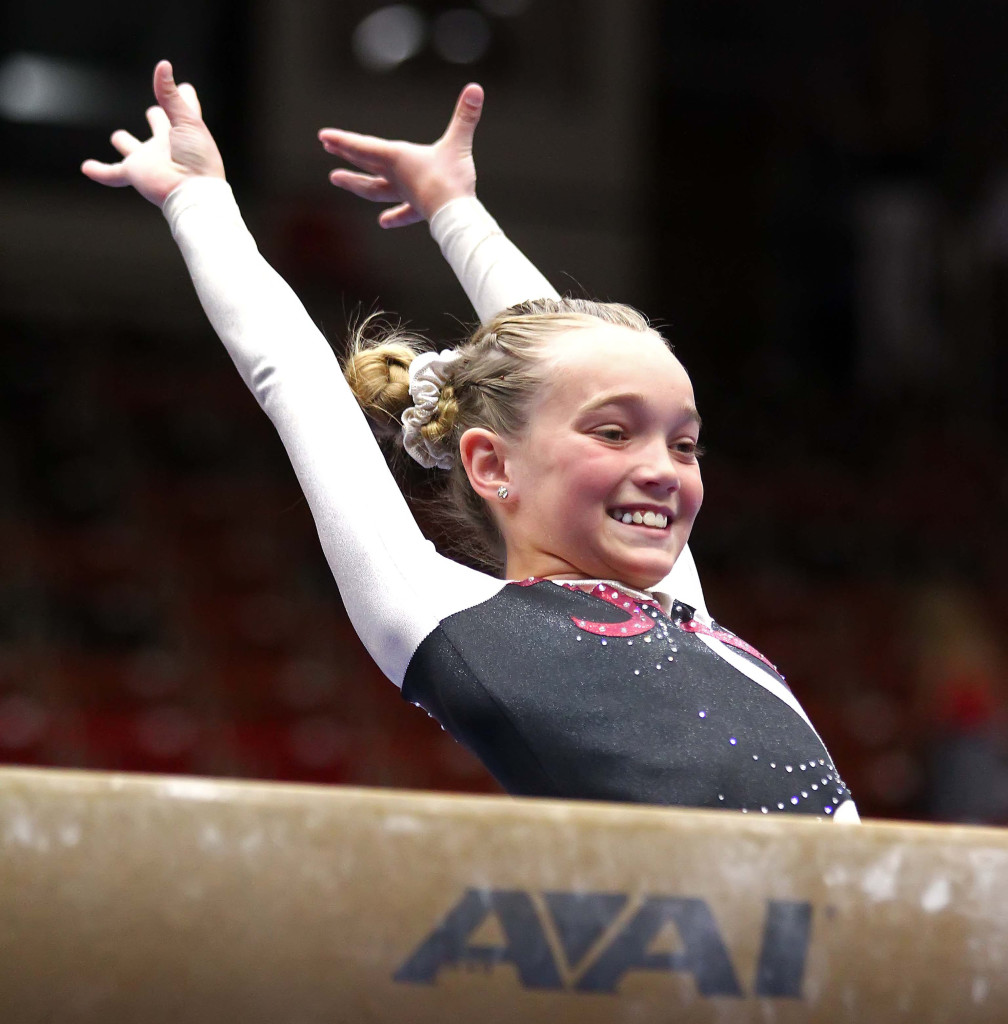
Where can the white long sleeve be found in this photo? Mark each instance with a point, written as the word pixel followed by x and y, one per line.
pixel 492 270
pixel 395 586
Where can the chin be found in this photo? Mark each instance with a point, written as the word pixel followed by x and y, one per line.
pixel 643 577
pixel 643 566
pixel 647 572
pixel 646 582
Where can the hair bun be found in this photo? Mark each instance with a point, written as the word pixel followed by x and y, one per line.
pixel 377 370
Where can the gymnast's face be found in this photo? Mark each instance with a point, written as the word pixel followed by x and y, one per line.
pixel 604 483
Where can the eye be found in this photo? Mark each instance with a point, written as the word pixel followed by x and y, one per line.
pixel 611 433
pixel 687 448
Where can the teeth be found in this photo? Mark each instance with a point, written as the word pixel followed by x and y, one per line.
pixel 657 520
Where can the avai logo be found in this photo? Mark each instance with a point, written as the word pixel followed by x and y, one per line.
pixel 602 939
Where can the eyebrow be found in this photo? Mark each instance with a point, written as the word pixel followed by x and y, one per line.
pixel 688 410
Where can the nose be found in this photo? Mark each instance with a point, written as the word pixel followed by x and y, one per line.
pixel 658 469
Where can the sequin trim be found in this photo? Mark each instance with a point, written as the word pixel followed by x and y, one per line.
pixel 727 638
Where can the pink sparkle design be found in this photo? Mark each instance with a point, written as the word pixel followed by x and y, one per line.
pixel 727 638
pixel 636 624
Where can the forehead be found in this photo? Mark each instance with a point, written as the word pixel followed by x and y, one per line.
pixel 585 362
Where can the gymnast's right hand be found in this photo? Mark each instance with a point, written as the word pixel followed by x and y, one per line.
pixel 180 146
pixel 419 179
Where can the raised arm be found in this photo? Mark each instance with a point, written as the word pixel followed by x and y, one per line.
pixel 437 183
pixel 396 588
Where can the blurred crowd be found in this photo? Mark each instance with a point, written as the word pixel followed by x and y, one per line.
pixel 164 605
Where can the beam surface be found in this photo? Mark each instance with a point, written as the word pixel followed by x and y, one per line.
pixel 129 898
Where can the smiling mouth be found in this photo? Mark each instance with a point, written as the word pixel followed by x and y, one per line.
pixel 638 517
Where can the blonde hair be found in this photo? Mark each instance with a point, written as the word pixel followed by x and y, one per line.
pixel 491 385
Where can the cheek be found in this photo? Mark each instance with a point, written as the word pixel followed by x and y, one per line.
pixel 604 468
pixel 695 492
pixel 585 473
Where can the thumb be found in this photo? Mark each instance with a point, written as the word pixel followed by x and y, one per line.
pixel 166 92
pixel 468 109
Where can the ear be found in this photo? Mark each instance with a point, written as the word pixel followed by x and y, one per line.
pixel 484 456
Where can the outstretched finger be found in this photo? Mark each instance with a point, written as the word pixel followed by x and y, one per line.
pixel 166 92
pixel 105 174
pixel 158 120
pixel 188 93
pixel 366 186
pixel 363 151
pixel 466 115
pixel 124 142
pixel 399 216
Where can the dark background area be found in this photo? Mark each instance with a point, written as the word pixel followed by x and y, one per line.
pixel 814 207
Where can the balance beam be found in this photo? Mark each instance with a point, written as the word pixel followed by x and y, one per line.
pixel 128 898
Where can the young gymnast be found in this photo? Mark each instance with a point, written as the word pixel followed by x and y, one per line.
pixel 588 667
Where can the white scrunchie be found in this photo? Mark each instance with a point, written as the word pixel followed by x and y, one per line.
pixel 427 375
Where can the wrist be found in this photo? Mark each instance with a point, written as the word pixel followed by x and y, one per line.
pixel 196 185
pixel 465 213
pixel 440 194
pixel 203 191
pixel 445 203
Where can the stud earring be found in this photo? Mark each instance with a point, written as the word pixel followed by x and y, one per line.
pixel 502 492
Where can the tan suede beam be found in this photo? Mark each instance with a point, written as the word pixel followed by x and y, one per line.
pixel 128 898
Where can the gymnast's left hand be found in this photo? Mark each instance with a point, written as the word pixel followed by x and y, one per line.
pixel 180 145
